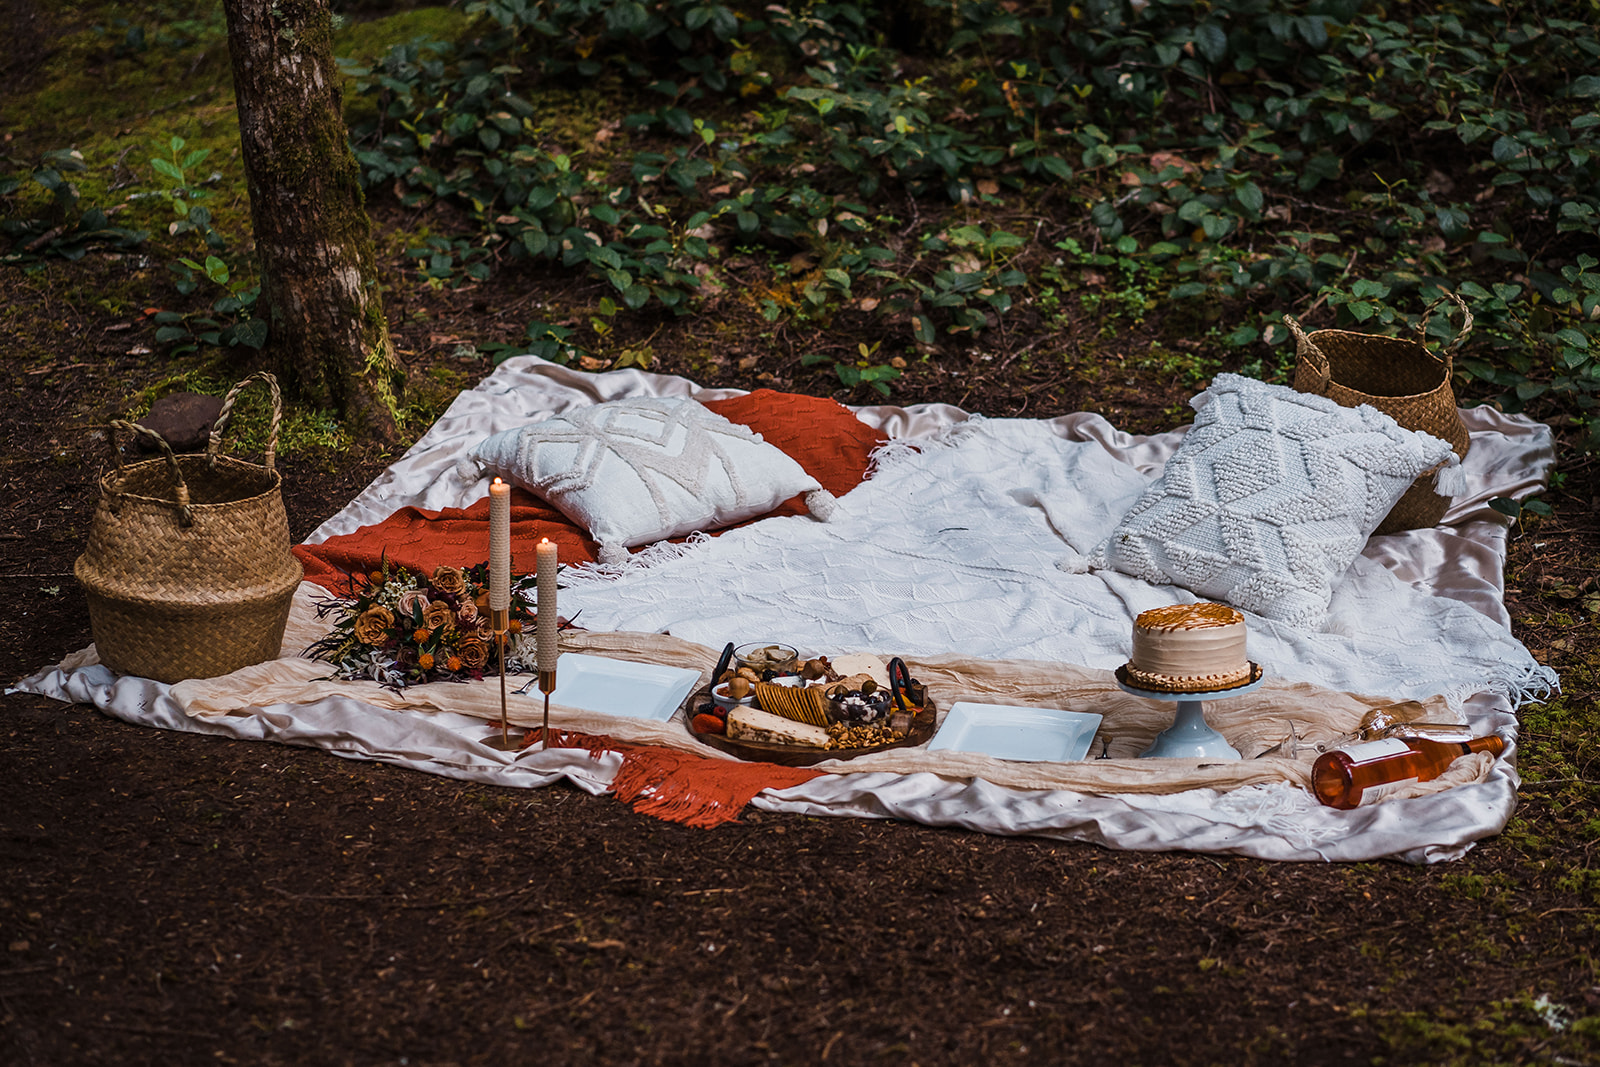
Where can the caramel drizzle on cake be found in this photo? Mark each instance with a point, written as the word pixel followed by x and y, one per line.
pixel 1189 617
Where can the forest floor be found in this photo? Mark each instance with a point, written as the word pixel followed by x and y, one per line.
pixel 174 898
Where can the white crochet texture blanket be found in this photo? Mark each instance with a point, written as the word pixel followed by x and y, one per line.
pixel 952 546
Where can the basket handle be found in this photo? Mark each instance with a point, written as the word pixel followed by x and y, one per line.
pixel 214 445
pixel 1319 370
pixel 1449 350
pixel 180 488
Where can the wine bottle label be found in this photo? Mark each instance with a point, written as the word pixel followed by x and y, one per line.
pixel 1372 794
pixel 1376 750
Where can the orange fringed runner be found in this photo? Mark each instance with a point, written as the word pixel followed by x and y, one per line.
pixel 677 786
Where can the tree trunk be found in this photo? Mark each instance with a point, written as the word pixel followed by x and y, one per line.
pixel 319 278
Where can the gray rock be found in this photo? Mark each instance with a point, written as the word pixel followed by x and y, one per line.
pixel 184 419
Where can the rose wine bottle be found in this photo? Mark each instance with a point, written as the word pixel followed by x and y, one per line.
pixel 1344 777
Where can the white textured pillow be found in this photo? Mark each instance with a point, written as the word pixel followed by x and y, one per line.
pixel 644 469
pixel 1270 498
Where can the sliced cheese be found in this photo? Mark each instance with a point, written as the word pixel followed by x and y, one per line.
pixel 861 663
pixel 753 724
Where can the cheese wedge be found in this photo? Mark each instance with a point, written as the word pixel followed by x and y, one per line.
pixel 861 663
pixel 753 724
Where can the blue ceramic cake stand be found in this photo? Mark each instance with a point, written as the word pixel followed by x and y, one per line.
pixel 1190 736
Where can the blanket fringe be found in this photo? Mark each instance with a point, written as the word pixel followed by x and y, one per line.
pixel 897 451
pixel 678 786
pixel 694 790
pixel 596 745
pixel 604 572
pixel 1532 685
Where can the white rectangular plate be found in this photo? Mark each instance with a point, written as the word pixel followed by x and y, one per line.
pixel 1014 733
pixel 619 687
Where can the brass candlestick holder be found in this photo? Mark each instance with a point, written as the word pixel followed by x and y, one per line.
pixel 547 685
pixel 499 621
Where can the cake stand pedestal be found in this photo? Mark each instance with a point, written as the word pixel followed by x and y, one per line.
pixel 1190 736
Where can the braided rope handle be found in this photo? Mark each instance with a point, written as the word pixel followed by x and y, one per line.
pixel 214 445
pixel 180 488
pixel 1314 356
pixel 1449 350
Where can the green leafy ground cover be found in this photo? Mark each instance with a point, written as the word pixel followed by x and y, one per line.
pixel 1234 161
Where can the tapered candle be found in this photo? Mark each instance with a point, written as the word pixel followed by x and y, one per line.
pixel 499 552
pixel 546 648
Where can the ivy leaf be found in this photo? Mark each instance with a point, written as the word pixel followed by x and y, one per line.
pixel 1452 221
pixel 1212 42
pixel 1506 506
pixel 251 332
pixel 1506 149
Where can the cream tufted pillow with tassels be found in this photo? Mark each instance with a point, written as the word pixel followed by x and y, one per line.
pixel 1270 498
pixel 641 470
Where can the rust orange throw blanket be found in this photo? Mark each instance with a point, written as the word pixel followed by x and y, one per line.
pixel 679 787
pixel 823 436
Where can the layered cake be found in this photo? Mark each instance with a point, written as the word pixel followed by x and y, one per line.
pixel 1189 648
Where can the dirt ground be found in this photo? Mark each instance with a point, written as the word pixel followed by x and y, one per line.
pixel 171 898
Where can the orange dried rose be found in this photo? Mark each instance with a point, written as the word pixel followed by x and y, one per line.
pixel 449 580
pixel 439 616
pixel 372 625
pixel 474 651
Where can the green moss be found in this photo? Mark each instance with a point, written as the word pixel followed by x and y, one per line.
pixel 118 106
pixel 366 41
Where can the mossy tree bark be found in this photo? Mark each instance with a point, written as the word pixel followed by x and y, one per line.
pixel 319 279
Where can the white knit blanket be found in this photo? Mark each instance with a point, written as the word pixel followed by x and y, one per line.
pixel 952 546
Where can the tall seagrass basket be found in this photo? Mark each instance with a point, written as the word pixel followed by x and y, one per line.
pixel 1399 377
pixel 187 568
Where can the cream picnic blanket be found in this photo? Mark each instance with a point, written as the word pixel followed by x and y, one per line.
pixel 946 556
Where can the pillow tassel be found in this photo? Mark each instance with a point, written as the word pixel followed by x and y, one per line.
pixel 1074 563
pixel 612 553
pixel 822 504
pixel 468 469
pixel 1451 481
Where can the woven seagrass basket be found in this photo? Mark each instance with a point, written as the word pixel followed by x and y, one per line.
pixel 187 568
pixel 1399 377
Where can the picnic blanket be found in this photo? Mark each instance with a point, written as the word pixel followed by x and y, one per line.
pixel 945 555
